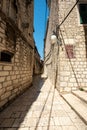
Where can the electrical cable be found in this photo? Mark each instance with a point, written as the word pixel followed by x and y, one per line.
pixel 68 14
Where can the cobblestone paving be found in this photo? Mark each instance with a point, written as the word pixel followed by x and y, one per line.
pixel 40 108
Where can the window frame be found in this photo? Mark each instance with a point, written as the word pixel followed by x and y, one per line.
pixel 8 54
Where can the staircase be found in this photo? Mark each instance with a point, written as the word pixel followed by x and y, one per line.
pixel 78 102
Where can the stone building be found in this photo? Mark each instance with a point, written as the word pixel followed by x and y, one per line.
pixel 16 48
pixel 38 63
pixel 66 60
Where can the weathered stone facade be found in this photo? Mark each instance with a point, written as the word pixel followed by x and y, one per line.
pixel 38 63
pixel 48 48
pixel 21 12
pixel 68 67
pixel 16 48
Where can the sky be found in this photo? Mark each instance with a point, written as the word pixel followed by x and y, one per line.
pixel 40 16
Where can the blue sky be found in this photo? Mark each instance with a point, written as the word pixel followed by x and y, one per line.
pixel 40 16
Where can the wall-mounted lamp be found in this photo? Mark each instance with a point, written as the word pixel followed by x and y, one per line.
pixel 54 39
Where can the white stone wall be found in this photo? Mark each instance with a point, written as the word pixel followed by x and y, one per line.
pixel 69 73
pixel 72 71
pixel 49 51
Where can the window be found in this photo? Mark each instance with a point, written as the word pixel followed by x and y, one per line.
pixel 5 57
pixel 83 13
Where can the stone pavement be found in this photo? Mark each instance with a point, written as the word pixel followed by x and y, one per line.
pixel 40 108
pixel 78 102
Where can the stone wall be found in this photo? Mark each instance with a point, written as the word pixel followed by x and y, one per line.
pixel 15 75
pixel 49 67
pixel 21 12
pixel 73 67
pixel 16 48
pixel 70 59
pixel 38 63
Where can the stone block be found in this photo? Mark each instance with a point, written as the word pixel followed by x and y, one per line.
pixel 0 40
pixel 8 78
pixel 15 68
pixel 2 35
pixel 3 25
pixel 2 90
pixel 5 95
pixel 61 79
pixel 80 80
pixel 3 41
pixel 65 73
pixel 15 90
pixel 15 81
pixel 74 88
pixel 70 84
pixel 17 72
pixel 1 67
pixel 75 84
pixel 4 73
pixel 66 78
pixel 85 80
pixel 0 85
pixel 2 79
pixel 7 67
pixel 18 76
pixel 67 89
pixel 85 72
pixel 63 84
pixel 16 60
pixel 72 80
pixel 9 88
pixel 3 102
pixel 12 96
pixel 2 30
pixel 11 72
pixel 83 84
pixel 7 83
pixel 13 77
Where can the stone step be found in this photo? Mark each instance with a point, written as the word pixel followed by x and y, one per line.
pixel 81 94
pixel 77 105
pixel 85 89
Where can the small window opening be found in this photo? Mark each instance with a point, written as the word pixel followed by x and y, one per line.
pixel 5 57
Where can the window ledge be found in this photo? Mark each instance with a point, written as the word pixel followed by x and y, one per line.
pixel 82 25
pixel 6 63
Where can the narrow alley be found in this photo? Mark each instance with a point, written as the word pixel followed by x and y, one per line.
pixel 40 108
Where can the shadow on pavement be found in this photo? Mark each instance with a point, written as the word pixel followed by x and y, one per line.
pixel 16 113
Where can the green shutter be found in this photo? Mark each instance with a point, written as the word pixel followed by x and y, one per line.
pixel 83 13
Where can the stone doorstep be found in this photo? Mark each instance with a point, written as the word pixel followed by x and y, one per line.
pixel 81 94
pixel 77 105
